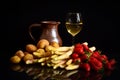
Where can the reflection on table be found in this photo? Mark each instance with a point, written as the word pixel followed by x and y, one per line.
pixel 37 72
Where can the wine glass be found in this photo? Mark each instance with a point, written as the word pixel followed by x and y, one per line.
pixel 73 24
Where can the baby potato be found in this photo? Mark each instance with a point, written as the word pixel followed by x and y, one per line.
pixel 31 48
pixel 20 53
pixel 47 54
pixel 49 48
pixel 15 59
pixel 42 43
pixel 28 57
pixel 54 44
pixel 26 52
pixel 39 53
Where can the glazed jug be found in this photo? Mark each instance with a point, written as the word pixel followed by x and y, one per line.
pixel 48 30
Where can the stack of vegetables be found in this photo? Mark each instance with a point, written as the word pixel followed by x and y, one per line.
pixel 78 56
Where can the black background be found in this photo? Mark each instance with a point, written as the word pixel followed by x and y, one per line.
pixel 101 23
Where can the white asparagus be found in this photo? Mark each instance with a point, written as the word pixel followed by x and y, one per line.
pixel 65 55
pixel 62 65
pixel 47 58
pixel 86 43
pixel 41 60
pixel 42 64
pixel 92 48
pixel 57 61
pixel 59 52
pixel 64 48
pixel 69 62
pixel 38 54
pixel 49 64
pixel 31 61
pixel 54 56
pixel 72 67
pixel 55 66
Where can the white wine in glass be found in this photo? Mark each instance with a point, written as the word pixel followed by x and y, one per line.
pixel 73 24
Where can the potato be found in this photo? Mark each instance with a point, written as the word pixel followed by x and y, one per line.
pixel 54 44
pixel 39 53
pixel 48 54
pixel 31 48
pixel 28 57
pixel 20 53
pixel 42 43
pixel 15 59
pixel 49 48
pixel 26 52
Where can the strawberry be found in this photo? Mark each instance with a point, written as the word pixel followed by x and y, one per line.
pixel 103 58
pixel 78 45
pixel 77 60
pixel 85 47
pixel 74 55
pixel 84 57
pixel 95 63
pixel 89 51
pixel 96 54
pixel 112 61
pixel 110 65
pixel 79 50
pixel 85 66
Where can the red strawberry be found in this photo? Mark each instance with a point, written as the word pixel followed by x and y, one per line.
pixel 79 50
pixel 110 65
pixel 85 47
pixel 95 63
pixel 85 66
pixel 78 45
pixel 77 60
pixel 96 54
pixel 112 61
pixel 75 55
pixel 103 58
pixel 90 51
pixel 84 57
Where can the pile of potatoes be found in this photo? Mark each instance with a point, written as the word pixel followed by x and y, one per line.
pixel 21 55
pixel 46 53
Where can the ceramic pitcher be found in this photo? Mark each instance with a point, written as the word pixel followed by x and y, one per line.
pixel 48 30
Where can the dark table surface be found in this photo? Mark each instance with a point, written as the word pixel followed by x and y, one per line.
pixel 36 72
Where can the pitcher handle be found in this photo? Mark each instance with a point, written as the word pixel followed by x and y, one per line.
pixel 30 29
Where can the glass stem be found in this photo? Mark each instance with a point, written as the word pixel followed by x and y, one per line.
pixel 73 40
